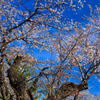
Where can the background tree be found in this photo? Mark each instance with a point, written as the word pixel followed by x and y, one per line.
pixel 41 26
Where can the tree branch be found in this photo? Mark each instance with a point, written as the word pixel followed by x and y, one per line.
pixel 79 66
pixel 68 89
pixel 40 74
pixel 28 19
pixel 94 68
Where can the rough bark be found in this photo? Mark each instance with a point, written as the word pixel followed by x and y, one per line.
pixel 68 89
pixel 2 85
pixel 18 81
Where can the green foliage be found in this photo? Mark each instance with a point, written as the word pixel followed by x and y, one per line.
pixel 25 70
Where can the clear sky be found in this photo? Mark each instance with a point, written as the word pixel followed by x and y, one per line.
pixel 84 11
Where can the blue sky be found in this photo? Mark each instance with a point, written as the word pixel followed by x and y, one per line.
pixel 84 11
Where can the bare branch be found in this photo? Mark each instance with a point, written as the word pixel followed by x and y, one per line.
pixel 79 66
pixel 94 67
pixel 28 19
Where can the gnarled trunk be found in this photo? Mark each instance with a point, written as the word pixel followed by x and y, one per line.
pixel 68 89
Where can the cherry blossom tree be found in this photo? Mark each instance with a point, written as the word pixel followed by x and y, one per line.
pixel 26 27
pixel 78 58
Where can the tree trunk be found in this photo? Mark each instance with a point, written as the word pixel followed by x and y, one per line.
pixel 18 81
pixel 66 90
